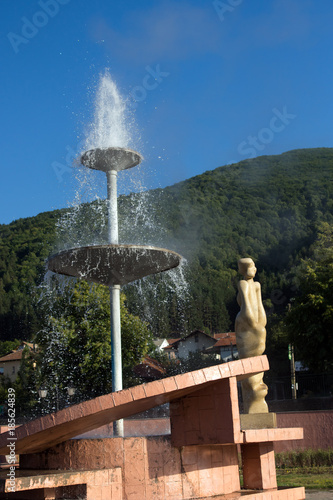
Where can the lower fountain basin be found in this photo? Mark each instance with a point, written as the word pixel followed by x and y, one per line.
pixel 113 264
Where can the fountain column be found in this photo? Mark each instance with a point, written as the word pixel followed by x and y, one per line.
pixel 117 369
pixel 111 176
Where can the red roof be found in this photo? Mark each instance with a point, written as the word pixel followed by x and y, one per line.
pixel 224 339
pixel 13 356
pixel 149 368
pixel 171 342
pixel 17 354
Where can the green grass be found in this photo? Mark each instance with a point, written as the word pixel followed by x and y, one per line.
pixel 318 478
pixel 312 469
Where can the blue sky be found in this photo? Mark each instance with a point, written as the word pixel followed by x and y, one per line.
pixel 212 82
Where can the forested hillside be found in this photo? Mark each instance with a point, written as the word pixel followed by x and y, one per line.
pixel 268 208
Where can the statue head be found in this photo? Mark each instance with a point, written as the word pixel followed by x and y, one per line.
pixel 247 268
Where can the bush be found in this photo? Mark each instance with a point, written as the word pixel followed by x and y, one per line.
pixel 304 458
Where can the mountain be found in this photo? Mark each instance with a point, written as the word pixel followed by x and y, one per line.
pixel 268 208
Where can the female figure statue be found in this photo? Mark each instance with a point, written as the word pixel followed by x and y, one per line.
pixel 251 334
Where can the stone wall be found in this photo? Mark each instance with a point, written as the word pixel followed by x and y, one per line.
pixel 151 467
pixel 317 427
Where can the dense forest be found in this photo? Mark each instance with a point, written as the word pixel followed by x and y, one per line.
pixel 269 208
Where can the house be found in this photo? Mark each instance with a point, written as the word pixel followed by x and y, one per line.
pixel 222 345
pixel 149 369
pixel 11 363
pixel 225 346
pixel 160 344
pixel 196 341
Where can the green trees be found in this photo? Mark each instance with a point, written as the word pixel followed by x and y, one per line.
pixel 74 345
pixel 310 319
pixel 266 208
pixel 24 246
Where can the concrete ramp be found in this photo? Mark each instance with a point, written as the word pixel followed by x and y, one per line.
pixel 55 428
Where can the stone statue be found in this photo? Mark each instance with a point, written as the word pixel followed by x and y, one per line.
pixel 251 334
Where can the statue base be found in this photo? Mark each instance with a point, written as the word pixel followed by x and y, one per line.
pixel 258 421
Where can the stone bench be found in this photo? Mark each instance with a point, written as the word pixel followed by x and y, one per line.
pixel 51 484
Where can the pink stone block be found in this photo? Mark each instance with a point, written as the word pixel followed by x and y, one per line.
pixel 116 491
pixel 206 485
pixel 138 392
pixel 217 455
pixel 207 423
pixel 172 462
pixel 256 364
pixel 94 493
pixel 191 482
pixel 199 377
pixel 154 388
pixel 169 384
pixel 122 397
pixel 192 419
pixel 264 363
pixel 89 407
pixel 224 370
pixel 204 458
pixel 75 412
pixel 247 366
pixel 236 368
pixel 230 455
pixel 212 373
pixel 105 401
pixel 205 400
pixel 101 477
pixel 217 480
pixel 135 491
pixel 155 488
pixel 259 466
pixel 173 487
pixel 178 431
pixel 231 482
pixel 156 444
pixel 184 380
pixel 191 437
pixel 189 455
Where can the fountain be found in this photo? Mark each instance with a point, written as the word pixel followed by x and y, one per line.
pixel 113 265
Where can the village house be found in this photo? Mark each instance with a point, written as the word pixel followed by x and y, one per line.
pixel 10 363
pixel 222 345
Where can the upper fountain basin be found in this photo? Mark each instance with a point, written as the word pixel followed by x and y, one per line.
pixel 113 264
pixel 106 159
